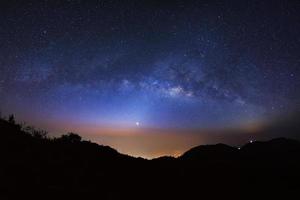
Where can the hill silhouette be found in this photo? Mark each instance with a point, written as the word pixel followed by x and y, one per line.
pixel 209 152
pixel 34 165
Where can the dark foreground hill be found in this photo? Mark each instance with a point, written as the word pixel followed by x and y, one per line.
pixel 32 165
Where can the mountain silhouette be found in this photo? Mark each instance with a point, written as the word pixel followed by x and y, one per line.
pixel 34 165
pixel 209 152
pixel 275 147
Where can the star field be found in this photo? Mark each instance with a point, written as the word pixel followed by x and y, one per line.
pixel 149 64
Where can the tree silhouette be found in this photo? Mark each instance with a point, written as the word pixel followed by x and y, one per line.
pixel 37 133
pixel 11 119
pixel 71 137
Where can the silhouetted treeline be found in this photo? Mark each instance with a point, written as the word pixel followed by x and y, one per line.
pixel 36 165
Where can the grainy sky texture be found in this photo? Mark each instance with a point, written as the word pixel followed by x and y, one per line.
pixel 151 78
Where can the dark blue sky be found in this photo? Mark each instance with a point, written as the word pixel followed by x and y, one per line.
pixel 166 64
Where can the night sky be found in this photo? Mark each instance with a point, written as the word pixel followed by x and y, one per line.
pixel 152 78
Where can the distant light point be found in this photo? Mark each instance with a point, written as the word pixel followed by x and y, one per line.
pixel 137 123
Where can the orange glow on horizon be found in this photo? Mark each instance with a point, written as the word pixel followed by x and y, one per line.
pixel 141 141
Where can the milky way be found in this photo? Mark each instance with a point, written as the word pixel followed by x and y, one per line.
pixel 163 64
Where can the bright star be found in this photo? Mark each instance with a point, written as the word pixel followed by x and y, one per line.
pixel 137 123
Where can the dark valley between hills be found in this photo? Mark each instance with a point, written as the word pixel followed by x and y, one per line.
pixel 33 165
